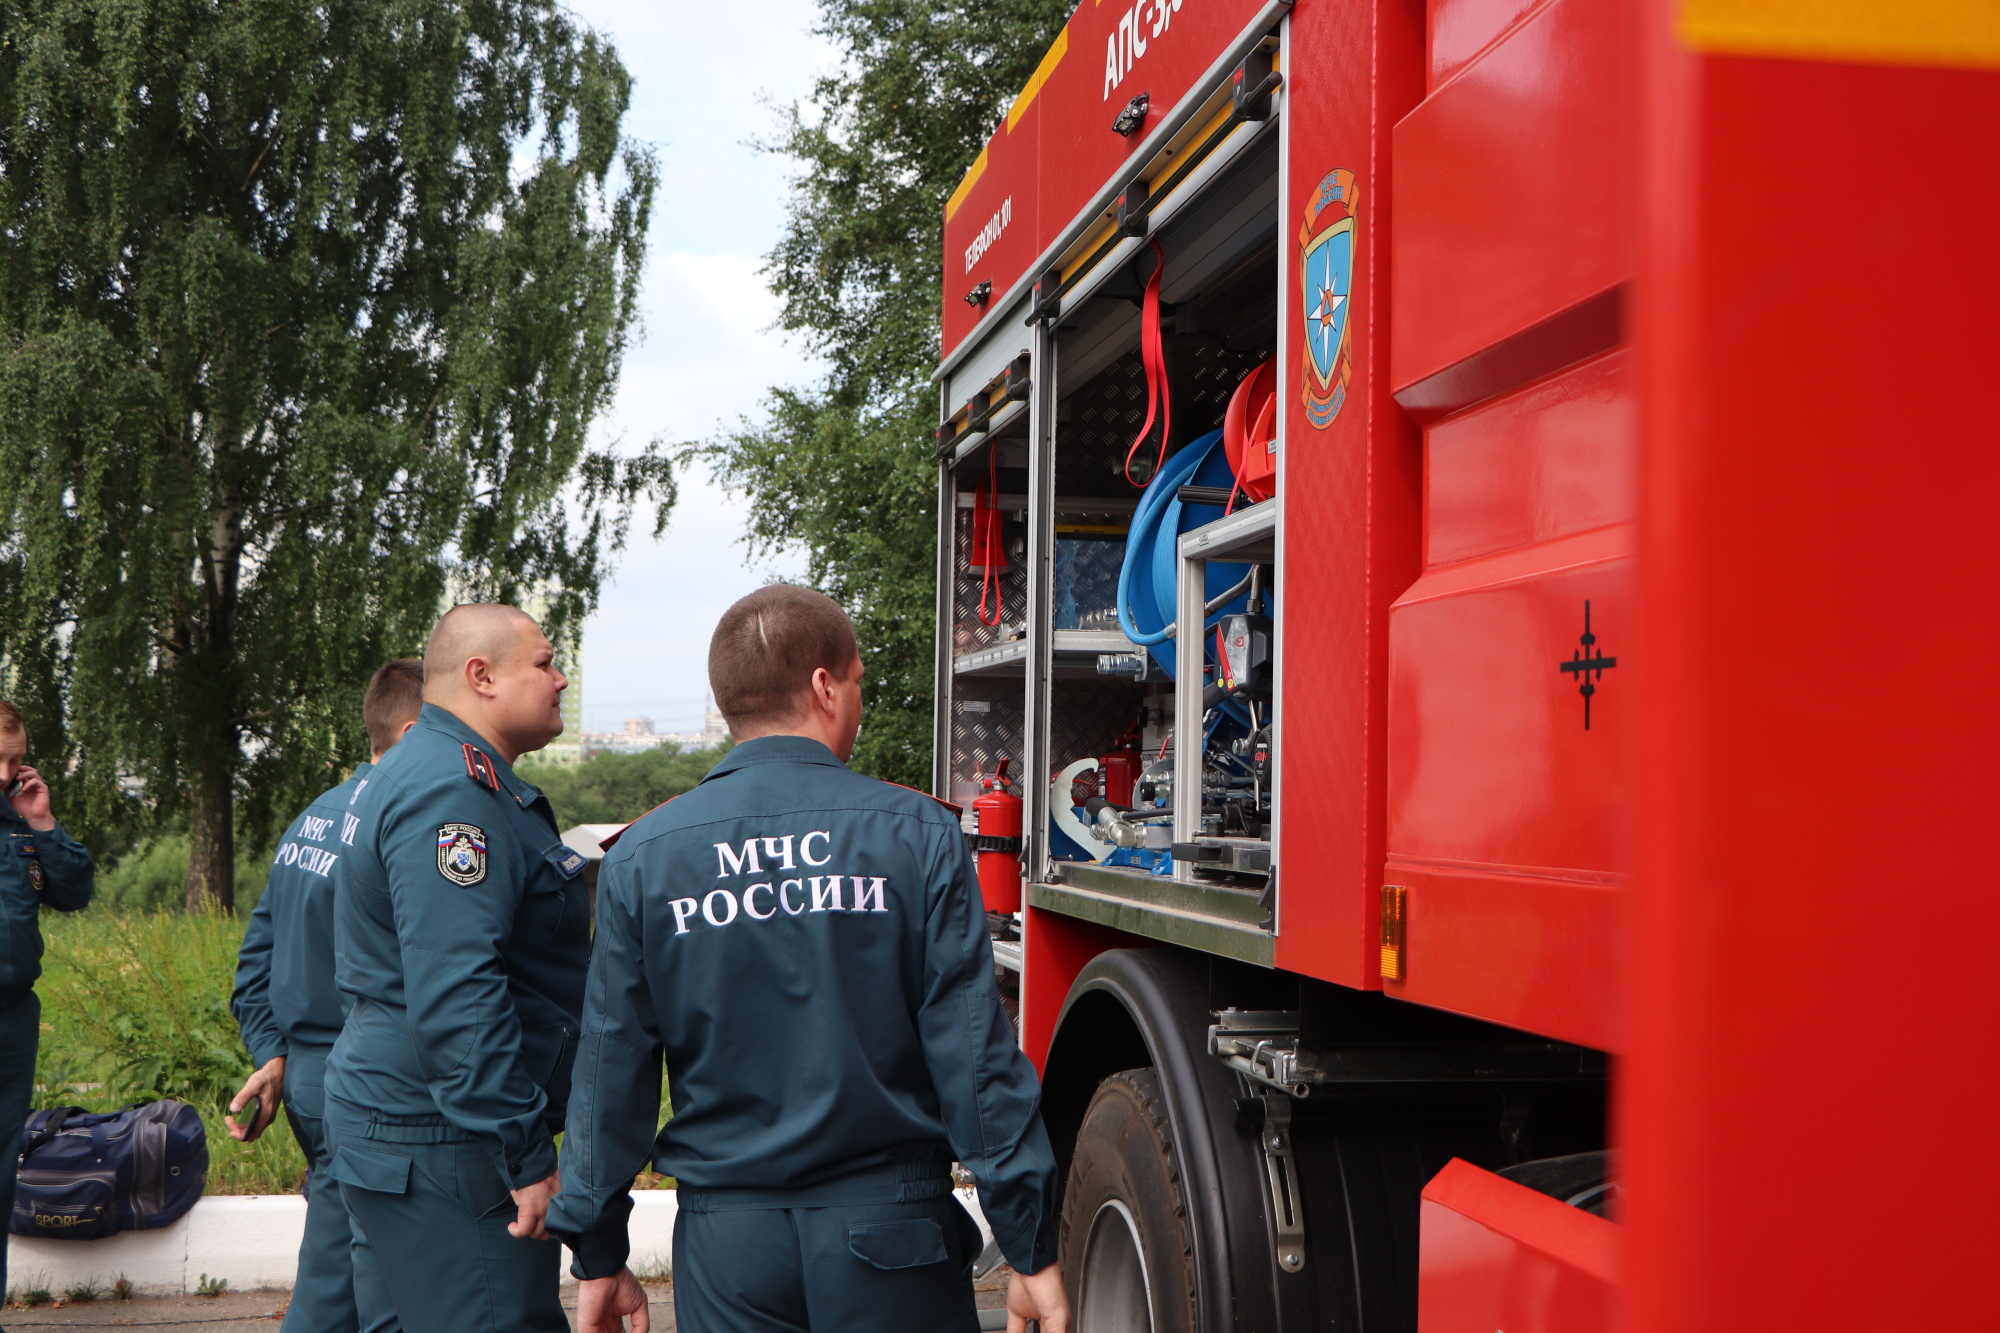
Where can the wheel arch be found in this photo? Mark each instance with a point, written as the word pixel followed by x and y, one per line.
pixel 1134 1007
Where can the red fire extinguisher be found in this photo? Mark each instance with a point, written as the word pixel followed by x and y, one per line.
pixel 998 843
pixel 1121 768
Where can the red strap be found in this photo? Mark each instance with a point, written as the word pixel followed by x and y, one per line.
pixel 1152 354
pixel 992 555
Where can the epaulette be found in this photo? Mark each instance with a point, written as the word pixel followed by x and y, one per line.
pixel 955 809
pixel 480 769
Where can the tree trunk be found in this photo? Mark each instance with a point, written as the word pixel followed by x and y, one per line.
pixel 211 877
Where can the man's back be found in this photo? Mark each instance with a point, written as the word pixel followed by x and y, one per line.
pixel 803 946
pixel 799 933
pixel 285 998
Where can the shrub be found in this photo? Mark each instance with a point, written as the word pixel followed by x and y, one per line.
pixel 152 877
pixel 136 1007
pixel 618 788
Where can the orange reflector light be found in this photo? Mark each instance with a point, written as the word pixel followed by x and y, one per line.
pixel 1395 905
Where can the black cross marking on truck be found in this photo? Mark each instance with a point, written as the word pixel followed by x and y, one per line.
pixel 1588 664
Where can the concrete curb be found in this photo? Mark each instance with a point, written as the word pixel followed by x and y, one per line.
pixel 252 1242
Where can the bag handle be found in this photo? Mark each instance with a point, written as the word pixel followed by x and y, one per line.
pixel 50 1128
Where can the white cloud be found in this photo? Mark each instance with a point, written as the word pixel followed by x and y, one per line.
pixel 706 354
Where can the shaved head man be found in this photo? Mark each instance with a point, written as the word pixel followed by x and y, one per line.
pixel 492 667
pixel 464 937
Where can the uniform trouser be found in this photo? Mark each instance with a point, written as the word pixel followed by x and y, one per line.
pixel 431 1207
pixel 20 1035
pixel 853 1268
pixel 331 1259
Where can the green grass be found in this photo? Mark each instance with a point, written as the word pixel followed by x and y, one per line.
pixel 136 1006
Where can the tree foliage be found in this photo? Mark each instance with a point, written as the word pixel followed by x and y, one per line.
pixel 842 470
pixel 306 307
pixel 618 788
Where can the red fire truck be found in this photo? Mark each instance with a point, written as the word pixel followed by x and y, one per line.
pixel 1466 529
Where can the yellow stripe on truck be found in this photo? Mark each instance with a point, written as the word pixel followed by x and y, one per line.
pixel 972 175
pixel 1888 32
pixel 1054 56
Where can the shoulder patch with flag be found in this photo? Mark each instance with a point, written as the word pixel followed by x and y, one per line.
pixel 462 853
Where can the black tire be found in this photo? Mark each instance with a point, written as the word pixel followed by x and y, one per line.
pixel 1127 1247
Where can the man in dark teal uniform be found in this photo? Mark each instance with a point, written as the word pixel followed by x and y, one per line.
pixel 41 866
pixel 806 950
pixel 289 1010
pixel 461 940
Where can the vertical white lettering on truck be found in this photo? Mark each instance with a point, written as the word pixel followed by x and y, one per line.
pixel 1130 40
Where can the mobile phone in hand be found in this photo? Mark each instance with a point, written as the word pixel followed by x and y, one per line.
pixel 14 787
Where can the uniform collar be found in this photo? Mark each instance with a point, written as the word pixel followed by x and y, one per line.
pixel 446 721
pixel 775 750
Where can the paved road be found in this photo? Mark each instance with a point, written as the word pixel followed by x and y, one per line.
pixel 241 1312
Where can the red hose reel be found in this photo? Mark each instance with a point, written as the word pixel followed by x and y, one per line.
pixel 1250 433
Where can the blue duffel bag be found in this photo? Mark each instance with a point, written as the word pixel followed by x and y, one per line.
pixel 86 1174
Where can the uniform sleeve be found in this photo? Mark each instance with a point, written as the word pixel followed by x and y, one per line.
pixel 69 875
pixel 250 1002
pixel 463 1023
pixel 988 1091
pixel 615 1093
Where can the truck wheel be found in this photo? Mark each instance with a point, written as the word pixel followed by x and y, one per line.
pixel 1126 1245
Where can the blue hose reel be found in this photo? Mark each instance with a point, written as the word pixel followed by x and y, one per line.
pixel 1146 585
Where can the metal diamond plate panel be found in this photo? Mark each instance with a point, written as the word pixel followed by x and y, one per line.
pixel 1104 416
pixel 1089 716
pixel 983 732
pixel 968 632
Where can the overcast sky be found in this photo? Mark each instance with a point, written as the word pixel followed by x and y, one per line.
pixel 704 85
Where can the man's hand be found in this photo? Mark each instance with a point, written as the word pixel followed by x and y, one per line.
pixel 31 801
pixel 533 1201
pixel 603 1302
pixel 1038 1296
pixel 266 1087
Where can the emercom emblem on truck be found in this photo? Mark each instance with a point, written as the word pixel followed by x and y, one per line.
pixel 1326 278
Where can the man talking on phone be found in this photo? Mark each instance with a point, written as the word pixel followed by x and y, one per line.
pixel 41 867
